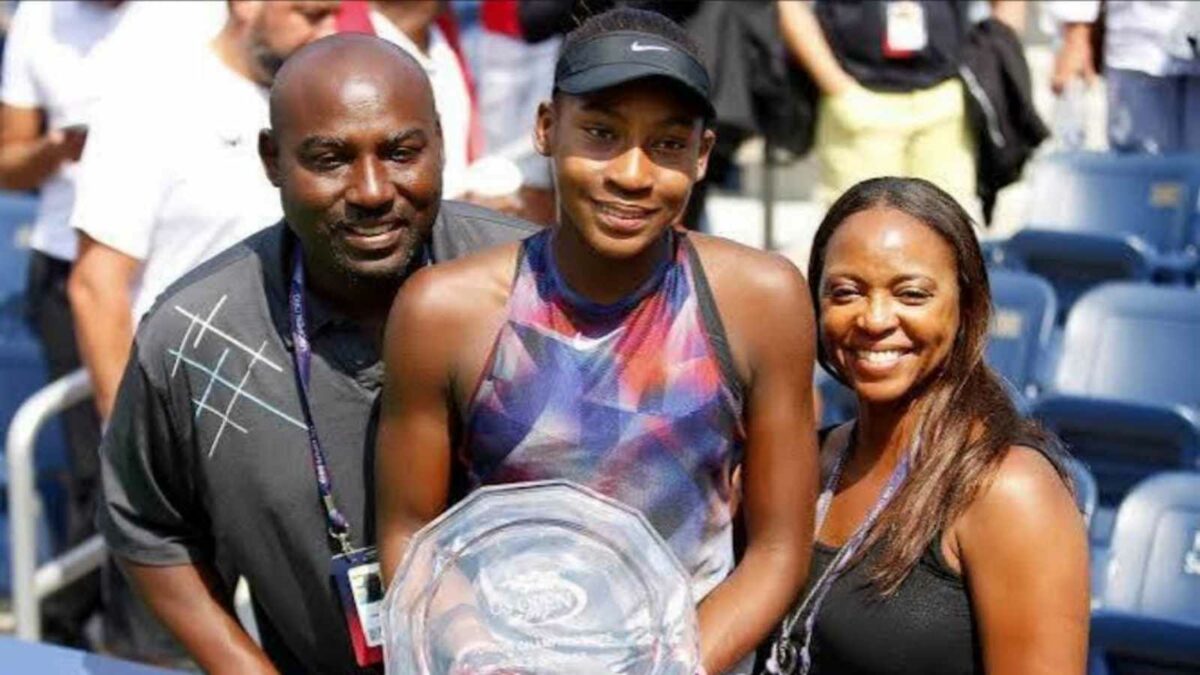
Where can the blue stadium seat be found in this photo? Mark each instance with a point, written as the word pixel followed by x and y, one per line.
pixel 467 13
pixel 1022 327
pixel 1155 550
pixel 17 211
pixel 1133 342
pixel 1126 392
pixel 1076 262
pixel 23 372
pixel 20 656
pixel 1121 442
pixel 45 548
pixel 1126 644
pixel 1149 619
pixel 1099 217
pixel 1150 197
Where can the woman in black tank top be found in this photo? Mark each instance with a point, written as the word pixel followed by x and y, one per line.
pixel 947 539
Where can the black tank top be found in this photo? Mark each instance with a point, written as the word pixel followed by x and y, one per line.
pixel 925 628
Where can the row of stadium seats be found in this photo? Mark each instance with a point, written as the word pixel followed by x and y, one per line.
pixel 1114 369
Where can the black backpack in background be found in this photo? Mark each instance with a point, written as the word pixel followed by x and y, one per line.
pixel 1000 108
pixel 758 89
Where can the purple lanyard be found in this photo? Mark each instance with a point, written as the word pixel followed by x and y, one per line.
pixel 783 653
pixel 338 526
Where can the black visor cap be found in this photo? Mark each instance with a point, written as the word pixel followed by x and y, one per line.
pixel 619 57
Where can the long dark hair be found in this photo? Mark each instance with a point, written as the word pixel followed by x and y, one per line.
pixel 968 418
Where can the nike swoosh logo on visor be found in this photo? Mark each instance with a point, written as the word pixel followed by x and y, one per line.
pixel 638 47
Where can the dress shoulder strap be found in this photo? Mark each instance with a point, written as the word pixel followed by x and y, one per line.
pixel 710 317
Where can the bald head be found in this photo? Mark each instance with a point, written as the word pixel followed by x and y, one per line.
pixel 344 69
pixel 355 149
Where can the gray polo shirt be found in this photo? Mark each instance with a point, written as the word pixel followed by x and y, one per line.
pixel 206 458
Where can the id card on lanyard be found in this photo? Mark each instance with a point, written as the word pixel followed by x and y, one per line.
pixel 360 588
pixel 905 30
pixel 355 572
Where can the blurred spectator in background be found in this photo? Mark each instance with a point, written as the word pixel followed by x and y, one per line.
pixel 171 175
pixel 513 76
pixel 890 99
pixel 425 30
pixel 54 62
pixel 542 19
pixel 428 30
pixel 1149 53
pixel 6 11
pixel 61 58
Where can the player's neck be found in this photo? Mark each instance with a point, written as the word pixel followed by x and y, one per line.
pixel 598 278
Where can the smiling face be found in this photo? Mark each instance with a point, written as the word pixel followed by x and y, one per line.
pixel 889 303
pixel 625 161
pixel 356 154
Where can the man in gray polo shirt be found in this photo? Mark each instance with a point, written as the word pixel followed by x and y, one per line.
pixel 210 460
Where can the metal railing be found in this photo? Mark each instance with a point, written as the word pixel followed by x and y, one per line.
pixel 31 583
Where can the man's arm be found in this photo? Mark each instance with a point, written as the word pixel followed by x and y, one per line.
pixel 1074 58
pixel 780 470
pixel 807 44
pixel 150 515
pixel 126 172
pixel 188 600
pixel 28 158
pixel 100 293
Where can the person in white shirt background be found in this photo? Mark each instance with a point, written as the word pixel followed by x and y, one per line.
pixel 171 175
pixel 57 59
pixel 512 76
pixel 498 170
pixel 411 25
pixel 1151 65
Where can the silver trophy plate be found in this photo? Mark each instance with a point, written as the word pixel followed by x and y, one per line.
pixel 539 578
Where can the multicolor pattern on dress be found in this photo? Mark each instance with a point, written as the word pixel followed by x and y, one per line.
pixel 628 399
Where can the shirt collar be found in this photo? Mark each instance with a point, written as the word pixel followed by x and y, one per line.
pixel 277 273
